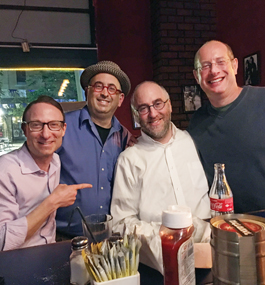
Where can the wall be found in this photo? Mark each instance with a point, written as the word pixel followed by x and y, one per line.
pixel 123 35
pixel 241 25
pixel 179 28
pixel 45 22
pixel 163 53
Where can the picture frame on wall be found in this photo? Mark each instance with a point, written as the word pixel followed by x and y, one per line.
pixel 192 100
pixel 251 65
pixel 136 125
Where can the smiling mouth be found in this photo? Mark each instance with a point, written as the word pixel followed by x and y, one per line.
pixel 155 122
pixel 216 80
pixel 45 143
pixel 103 101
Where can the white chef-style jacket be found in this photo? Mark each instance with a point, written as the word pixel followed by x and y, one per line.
pixel 149 177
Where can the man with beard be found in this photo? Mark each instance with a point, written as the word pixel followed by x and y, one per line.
pixel 162 169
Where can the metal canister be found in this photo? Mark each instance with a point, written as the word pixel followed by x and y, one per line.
pixel 238 249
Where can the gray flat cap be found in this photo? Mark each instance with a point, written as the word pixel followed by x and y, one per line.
pixel 106 67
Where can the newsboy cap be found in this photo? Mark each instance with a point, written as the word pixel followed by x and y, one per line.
pixel 106 67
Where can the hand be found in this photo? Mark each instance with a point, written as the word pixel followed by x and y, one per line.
pixel 64 195
pixel 133 140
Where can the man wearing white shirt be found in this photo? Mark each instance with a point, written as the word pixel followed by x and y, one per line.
pixel 162 169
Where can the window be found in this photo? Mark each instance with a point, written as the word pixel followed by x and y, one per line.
pixel 21 77
pixel 19 87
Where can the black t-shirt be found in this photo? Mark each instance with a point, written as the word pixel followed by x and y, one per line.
pixel 103 133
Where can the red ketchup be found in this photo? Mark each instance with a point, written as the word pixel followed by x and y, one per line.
pixel 177 246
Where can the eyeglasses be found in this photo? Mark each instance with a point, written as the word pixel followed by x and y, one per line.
pixel 111 88
pixel 37 126
pixel 221 63
pixel 158 105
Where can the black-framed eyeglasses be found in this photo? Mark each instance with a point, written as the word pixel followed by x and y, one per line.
pixel 220 63
pixel 37 126
pixel 111 88
pixel 158 105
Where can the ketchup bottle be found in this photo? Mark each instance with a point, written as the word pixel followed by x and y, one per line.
pixel 177 246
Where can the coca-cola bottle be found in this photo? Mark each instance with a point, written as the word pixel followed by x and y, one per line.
pixel 221 196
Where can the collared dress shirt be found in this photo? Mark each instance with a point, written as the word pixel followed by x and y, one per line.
pixel 23 186
pixel 84 159
pixel 149 177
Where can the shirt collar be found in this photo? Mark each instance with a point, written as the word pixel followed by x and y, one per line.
pixel 84 115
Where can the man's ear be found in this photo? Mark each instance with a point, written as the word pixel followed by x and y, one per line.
pixel 169 102
pixel 195 74
pixel 64 129
pixel 121 99
pixel 235 65
pixel 86 92
pixel 23 128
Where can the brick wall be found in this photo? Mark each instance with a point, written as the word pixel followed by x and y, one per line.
pixel 179 28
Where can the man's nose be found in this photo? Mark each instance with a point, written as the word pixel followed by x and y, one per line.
pixel 45 131
pixel 105 91
pixel 214 68
pixel 152 111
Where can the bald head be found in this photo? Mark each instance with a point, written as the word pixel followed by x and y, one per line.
pixel 145 87
pixel 211 43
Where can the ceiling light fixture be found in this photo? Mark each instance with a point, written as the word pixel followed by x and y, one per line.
pixel 25 46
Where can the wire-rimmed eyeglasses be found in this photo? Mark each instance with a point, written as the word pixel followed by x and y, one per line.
pixel 37 126
pixel 158 105
pixel 111 88
pixel 220 63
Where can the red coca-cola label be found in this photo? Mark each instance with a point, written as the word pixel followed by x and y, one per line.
pixel 222 205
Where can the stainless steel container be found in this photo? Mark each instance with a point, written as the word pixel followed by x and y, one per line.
pixel 238 249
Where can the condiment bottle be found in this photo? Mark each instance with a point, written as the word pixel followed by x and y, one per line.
pixel 221 196
pixel 177 246
pixel 79 273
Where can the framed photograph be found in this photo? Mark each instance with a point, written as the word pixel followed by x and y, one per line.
pixel 191 98
pixel 251 66
pixel 136 125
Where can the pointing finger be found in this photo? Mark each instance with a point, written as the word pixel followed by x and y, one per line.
pixel 83 185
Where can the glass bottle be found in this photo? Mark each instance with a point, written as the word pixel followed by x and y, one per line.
pixel 79 273
pixel 221 196
pixel 177 246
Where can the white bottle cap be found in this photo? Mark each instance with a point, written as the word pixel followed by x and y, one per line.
pixel 177 217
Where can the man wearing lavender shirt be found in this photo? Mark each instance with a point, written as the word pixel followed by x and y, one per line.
pixel 29 179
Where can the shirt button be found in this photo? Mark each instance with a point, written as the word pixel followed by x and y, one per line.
pixel 101 188
pixel 101 207
pixel 102 169
pixel 103 150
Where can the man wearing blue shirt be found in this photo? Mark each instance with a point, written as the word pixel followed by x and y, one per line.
pixel 92 144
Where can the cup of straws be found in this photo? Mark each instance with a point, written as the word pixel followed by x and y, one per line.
pixel 114 261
